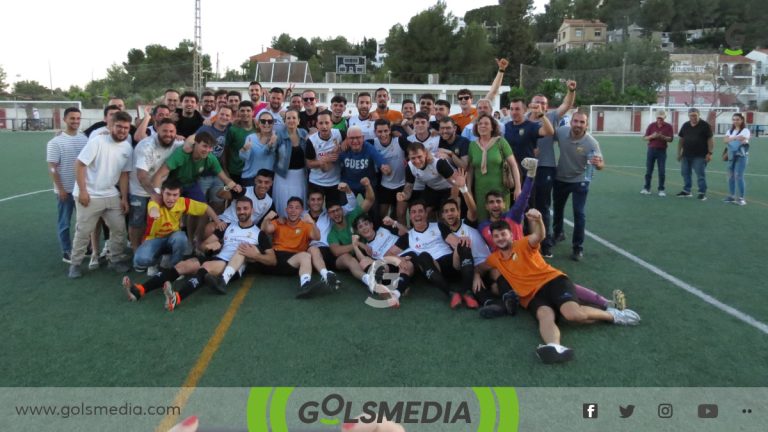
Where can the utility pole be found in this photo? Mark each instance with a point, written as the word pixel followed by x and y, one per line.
pixel 197 57
pixel 623 71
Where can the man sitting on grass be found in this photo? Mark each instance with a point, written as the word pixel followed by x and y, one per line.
pixel 543 290
pixel 218 271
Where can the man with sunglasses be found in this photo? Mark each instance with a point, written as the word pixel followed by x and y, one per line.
pixel 469 113
pixel 308 117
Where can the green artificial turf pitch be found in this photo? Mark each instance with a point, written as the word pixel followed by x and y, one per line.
pixel 59 332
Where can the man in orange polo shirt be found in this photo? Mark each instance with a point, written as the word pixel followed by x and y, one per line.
pixel 291 237
pixel 382 107
pixel 542 289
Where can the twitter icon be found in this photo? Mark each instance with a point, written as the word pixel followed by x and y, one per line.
pixel 626 411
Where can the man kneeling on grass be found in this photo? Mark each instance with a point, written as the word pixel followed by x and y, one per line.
pixel 543 290
pixel 221 269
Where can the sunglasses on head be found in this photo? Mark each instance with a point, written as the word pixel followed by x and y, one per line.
pixel 308 99
pixel 266 121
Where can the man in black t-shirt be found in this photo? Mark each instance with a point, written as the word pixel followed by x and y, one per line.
pixel 308 117
pixel 190 118
pixel 694 151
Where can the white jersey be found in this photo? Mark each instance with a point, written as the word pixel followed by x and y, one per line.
pixel 323 224
pixel 394 156
pixel 260 207
pixel 430 241
pixel 322 147
pixel 429 176
pixel 149 156
pixel 382 243
pixel 233 236
pixel 431 144
pixel 365 125
pixel 479 248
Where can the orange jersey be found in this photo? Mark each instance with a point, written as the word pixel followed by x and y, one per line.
pixel 525 270
pixel 463 120
pixel 170 218
pixel 291 238
pixel 392 115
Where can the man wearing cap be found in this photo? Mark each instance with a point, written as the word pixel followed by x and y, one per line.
pixel 658 134
pixel 694 151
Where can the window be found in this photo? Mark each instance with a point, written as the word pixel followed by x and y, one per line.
pixel 598 33
pixel 579 33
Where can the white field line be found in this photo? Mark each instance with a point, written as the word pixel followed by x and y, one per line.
pixel 25 194
pixel 678 169
pixel 741 316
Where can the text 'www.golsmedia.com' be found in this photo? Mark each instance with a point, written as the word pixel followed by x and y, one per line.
pixel 67 411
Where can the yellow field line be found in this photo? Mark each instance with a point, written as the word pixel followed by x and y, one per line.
pixel 710 191
pixel 204 359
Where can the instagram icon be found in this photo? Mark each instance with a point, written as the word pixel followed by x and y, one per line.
pixel 665 410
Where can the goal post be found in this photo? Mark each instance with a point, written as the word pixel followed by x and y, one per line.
pixel 22 115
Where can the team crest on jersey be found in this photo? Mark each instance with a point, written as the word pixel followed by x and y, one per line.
pixel 200 170
pixel 521 132
pixel 298 231
pixel 580 150
pixel 514 256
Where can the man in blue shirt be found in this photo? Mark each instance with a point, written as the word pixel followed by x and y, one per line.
pixel 522 134
pixel 360 160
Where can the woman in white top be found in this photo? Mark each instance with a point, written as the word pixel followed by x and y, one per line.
pixel 737 152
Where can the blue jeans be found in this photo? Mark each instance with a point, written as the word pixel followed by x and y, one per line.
pixel 560 197
pixel 545 177
pixel 655 156
pixel 736 169
pixel 149 252
pixel 64 220
pixel 698 164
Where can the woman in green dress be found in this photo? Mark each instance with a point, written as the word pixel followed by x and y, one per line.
pixel 486 156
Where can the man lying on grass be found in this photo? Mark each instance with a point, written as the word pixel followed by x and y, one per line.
pixel 545 291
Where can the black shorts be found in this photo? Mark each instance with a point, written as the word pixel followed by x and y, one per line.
pixel 282 268
pixel 387 196
pixel 328 257
pixel 553 294
pixel 432 197
pixel 446 267
pixel 328 191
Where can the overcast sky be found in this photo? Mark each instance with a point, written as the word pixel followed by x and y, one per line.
pixel 81 39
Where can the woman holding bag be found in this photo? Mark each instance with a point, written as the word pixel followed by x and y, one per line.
pixel 736 153
pixel 487 156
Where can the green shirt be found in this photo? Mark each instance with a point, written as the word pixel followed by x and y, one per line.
pixel 343 236
pixel 188 170
pixel 235 141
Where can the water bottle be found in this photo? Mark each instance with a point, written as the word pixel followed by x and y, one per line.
pixel 590 169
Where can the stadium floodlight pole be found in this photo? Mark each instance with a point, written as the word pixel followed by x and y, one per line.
pixel 197 58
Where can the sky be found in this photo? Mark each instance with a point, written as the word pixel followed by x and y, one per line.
pixel 59 43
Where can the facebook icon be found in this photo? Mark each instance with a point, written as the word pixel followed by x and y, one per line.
pixel 589 410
